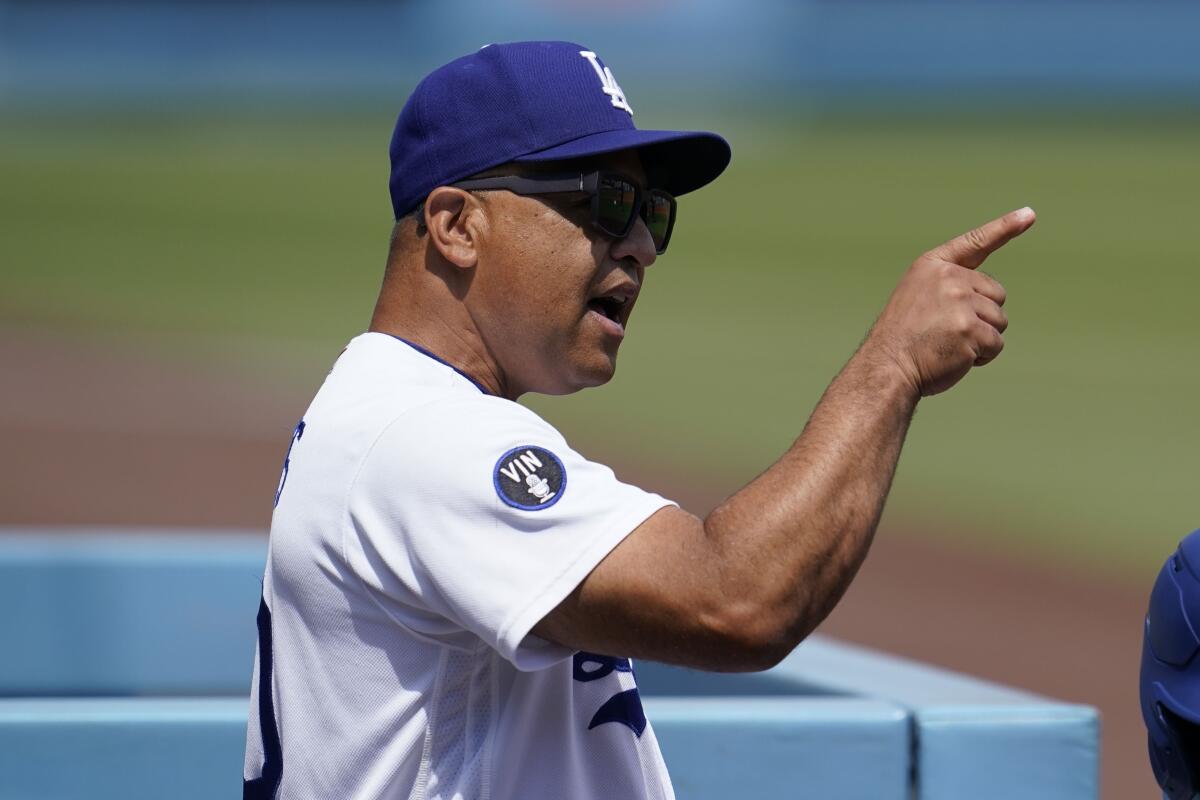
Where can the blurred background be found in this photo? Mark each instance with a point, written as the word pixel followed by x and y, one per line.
pixel 194 218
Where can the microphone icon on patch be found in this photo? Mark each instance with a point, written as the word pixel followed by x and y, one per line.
pixel 538 487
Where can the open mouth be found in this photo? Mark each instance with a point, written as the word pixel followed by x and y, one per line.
pixel 611 307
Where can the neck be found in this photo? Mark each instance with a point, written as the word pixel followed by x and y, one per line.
pixel 452 337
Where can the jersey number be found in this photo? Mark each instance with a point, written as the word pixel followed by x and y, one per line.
pixel 266 784
pixel 287 459
pixel 624 707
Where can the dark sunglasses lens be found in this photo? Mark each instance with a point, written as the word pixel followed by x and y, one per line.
pixel 658 213
pixel 616 205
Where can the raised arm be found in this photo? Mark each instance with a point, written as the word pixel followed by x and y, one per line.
pixel 741 588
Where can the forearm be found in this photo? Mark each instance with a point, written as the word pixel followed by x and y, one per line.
pixel 738 590
pixel 790 542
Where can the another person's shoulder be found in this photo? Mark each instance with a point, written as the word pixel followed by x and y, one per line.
pixel 1170 673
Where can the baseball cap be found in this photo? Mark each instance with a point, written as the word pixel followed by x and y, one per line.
pixel 1170 674
pixel 532 101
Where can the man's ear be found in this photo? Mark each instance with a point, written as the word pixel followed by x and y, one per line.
pixel 452 219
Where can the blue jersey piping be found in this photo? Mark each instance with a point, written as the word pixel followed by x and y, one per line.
pixel 441 360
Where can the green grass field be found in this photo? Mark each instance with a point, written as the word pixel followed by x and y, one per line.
pixel 262 239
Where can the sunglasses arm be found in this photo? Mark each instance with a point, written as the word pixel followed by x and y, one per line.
pixel 575 182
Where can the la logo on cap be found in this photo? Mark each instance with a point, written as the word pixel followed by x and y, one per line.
pixel 608 84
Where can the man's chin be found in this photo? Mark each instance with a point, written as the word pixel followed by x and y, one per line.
pixel 601 371
pixel 585 376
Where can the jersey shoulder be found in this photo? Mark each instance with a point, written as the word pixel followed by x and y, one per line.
pixel 456 434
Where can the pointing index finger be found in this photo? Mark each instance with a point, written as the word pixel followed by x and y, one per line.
pixel 973 247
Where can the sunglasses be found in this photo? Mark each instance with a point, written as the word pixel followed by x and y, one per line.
pixel 617 201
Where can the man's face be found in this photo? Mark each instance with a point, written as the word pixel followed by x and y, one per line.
pixel 552 294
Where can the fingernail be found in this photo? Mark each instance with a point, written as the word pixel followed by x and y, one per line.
pixel 1023 214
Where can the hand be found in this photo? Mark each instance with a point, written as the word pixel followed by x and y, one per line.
pixel 945 317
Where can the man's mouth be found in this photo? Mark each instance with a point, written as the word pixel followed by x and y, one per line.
pixel 611 307
pixel 613 304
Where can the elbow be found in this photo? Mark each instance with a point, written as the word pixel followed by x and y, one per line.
pixel 753 638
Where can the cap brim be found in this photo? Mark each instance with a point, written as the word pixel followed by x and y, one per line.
pixel 678 161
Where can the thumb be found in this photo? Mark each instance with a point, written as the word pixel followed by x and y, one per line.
pixel 973 247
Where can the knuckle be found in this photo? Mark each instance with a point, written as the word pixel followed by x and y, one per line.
pixel 1001 294
pixel 989 350
pixel 976 238
pixel 992 287
pixel 944 270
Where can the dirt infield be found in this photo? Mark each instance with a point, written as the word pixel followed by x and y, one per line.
pixel 95 433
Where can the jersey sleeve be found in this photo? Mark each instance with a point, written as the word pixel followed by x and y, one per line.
pixel 480 514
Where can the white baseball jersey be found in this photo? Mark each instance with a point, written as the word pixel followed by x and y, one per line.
pixel 422 528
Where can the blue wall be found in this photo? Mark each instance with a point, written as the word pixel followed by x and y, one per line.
pixel 120 644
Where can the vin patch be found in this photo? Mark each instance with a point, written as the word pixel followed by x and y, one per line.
pixel 529 478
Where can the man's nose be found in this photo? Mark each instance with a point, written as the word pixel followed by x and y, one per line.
pixel 638 245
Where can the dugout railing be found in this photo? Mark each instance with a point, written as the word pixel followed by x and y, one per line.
pixel 127 657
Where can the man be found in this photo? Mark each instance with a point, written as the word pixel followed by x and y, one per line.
pixel 1170 677
pixel 453 594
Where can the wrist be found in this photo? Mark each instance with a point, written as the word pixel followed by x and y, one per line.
pixel 882 367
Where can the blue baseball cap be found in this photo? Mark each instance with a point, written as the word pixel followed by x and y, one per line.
pixel 532 101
